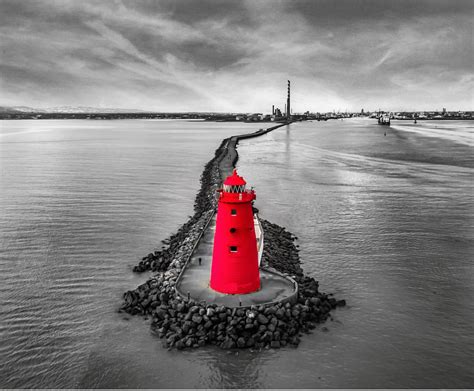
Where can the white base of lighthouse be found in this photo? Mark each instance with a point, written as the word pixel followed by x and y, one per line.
pixel 275 287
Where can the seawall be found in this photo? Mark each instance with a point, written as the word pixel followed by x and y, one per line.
pixel 183 323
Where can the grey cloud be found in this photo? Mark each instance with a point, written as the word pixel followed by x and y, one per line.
pixel 237 55
pixel 193 12
pixel 330 13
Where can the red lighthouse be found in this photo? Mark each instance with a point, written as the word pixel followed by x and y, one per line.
pixel 235 257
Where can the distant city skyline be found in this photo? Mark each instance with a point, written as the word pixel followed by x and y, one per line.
pixel 222 56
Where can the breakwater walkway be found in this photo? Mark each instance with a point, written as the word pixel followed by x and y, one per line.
pixel 229 155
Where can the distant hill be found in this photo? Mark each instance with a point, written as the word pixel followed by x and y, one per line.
pixel 65 109
pixel 17 109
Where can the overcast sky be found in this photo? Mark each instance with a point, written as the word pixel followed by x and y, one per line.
pixel 210 55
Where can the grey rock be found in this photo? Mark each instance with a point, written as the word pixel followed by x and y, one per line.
pixel 262 319
pixel 275 344
pixel 241 342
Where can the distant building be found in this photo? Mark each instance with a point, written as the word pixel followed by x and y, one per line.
pixel 254 117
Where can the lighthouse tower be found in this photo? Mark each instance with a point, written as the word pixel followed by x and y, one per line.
pixel 235 258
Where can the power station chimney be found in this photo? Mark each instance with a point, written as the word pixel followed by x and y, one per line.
pixel 288 108
pixel 273 109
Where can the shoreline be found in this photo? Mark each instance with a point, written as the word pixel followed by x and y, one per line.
pixel 185 323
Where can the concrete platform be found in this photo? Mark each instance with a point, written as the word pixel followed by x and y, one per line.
pixel 194 280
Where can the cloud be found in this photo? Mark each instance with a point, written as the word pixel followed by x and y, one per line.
pixel 218 55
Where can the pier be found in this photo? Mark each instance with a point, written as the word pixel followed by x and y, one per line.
pixel 229 156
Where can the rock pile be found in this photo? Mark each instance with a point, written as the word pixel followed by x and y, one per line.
pixel 184 323
pixel 280 251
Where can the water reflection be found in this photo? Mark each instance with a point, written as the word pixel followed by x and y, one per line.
pixel 235 369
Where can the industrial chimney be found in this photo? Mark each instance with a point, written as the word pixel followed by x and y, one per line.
pixel 288 108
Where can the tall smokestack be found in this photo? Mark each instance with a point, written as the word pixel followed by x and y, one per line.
pixel 288 108
pixel 273 109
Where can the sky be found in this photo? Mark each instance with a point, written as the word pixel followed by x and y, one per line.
pixel 236 56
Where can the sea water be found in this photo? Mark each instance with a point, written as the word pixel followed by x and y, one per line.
pixel 383 221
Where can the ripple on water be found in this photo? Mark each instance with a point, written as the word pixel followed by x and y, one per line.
pixel 383 221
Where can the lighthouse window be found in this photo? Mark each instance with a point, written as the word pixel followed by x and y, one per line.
pixel 233 249
pixel 232 230
pixel 233 212
pixel 234 188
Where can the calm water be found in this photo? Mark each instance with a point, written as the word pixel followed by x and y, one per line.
pixel 385 222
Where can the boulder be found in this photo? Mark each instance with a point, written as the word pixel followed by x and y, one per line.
pixel 262 319
pixel 275 344
pixel 241 342
pixel 228 343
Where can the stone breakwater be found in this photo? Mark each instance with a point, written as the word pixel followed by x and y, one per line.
pixel 183 323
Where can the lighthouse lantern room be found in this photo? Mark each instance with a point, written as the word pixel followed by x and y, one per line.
pixel 235 268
